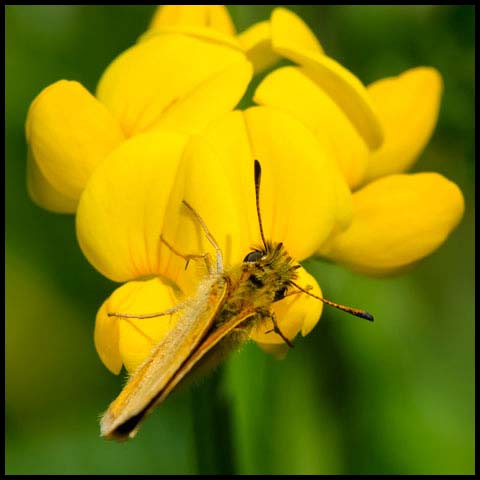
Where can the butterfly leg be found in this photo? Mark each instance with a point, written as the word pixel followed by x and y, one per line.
pixel 169 311
pixel 204 256
pixel 128 316
pixel 277 330
pixel 209 236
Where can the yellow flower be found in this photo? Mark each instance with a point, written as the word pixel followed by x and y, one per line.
pixel 163 82
pixel 132 200
pixel 161 131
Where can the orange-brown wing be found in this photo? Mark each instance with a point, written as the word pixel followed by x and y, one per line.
pixel 136 399
pixel 213 339
pixel 206 346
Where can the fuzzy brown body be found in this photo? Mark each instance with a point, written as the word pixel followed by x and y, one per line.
pixel 255 285
pixel 228 305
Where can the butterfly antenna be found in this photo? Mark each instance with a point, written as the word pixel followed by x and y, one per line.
pixel 353 311
pixel 258 177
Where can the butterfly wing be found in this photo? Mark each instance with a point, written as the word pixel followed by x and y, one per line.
pixel 206 346
pixel 140 394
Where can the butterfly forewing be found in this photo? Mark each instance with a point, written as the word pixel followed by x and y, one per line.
pixel 139 395
pixel 205 347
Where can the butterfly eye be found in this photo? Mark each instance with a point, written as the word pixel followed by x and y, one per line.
pixel 253 256
pixel 280 293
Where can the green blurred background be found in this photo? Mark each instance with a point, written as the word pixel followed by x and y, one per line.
pixel 396 396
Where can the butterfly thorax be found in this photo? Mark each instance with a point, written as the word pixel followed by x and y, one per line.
pixel 262 279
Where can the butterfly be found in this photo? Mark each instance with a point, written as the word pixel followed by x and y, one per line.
pixel 217 319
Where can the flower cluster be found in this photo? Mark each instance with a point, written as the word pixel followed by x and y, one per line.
pixel 163 128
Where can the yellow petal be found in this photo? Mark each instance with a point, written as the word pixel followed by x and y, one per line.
pixel 339 83
pixel 42 192
pixel 291 33
pixel 187 115
pixel 257 45
pixel 408 107
pixel 213 16
pixel 287 29
pixel 106 339
pixel 296 313
pixel 69 133
pixel 298 193
pixel 344 206
pixel 196 32
pixel 397 220
pixel 129 341
pixel 204 180
pixel 347 91
pixel 300 182
pixel 290 89
pixel 304 210
pixel 121 212
pixel 160 76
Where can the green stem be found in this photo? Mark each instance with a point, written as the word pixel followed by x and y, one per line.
pixel 212 426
